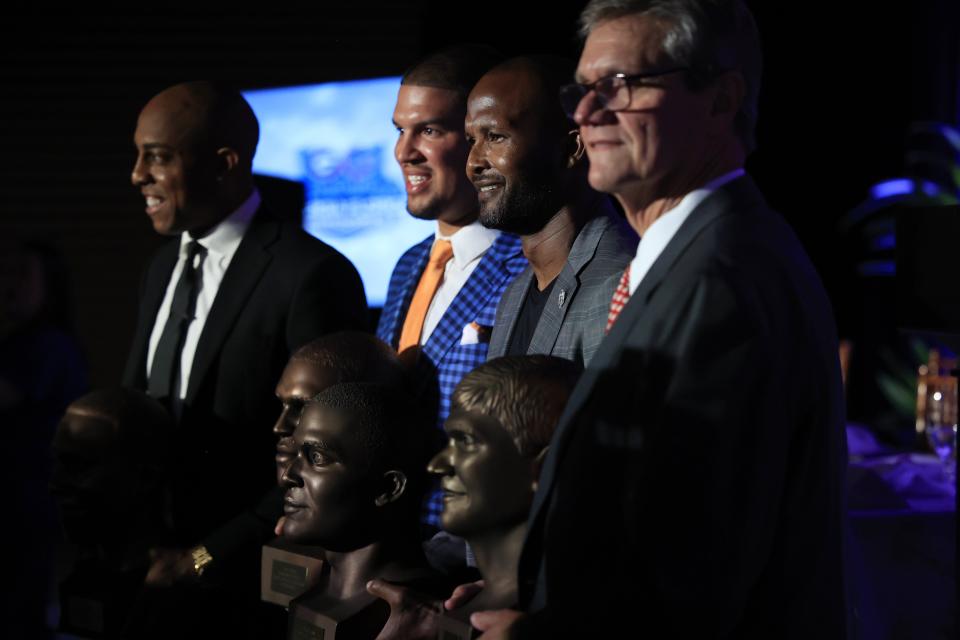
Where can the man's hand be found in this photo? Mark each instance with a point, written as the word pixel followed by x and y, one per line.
pixel 412 616
pixel 462 595
pixel 169 567
pixel 497 624
pixel 278 528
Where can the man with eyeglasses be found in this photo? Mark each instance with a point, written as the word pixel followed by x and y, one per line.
pixel 693 487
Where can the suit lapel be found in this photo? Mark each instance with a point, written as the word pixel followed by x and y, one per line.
pixel 155 287
pixel 245 270
pixel 551 319
pixel 739 194
pixel 512 303
pixel 486 279
pixel 566 286
pixel 398 311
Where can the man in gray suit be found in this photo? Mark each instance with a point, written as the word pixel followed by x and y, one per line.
pixel 526 161
pixel 694 485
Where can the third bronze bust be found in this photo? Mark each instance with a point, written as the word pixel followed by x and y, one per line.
pixel 502 417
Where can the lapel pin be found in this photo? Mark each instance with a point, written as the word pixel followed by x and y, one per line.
pixel 561 297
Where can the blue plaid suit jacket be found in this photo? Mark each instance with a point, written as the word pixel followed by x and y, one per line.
pixel 446 358
pixel 476 302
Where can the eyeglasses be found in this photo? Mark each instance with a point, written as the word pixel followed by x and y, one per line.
pixel 613 92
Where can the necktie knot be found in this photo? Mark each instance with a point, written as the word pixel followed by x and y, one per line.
pixel 195 249
pixel 441 253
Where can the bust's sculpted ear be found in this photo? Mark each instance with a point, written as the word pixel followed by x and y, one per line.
pixel 395 483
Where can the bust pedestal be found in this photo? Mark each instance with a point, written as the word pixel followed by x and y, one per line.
pixel 454 625
pixel 287 570
pixel 316 616
pixel 96 604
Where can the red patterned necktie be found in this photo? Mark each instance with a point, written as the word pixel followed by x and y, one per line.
pixel 620 298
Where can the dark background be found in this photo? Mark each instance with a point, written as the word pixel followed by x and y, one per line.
pixel 839 91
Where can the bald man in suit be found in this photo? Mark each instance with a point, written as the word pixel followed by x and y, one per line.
pixel 223 305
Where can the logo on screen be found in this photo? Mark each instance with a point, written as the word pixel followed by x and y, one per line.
pixel 347 193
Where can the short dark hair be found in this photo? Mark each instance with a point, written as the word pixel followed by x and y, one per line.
pixel 525 394
pixel 353 356
pixel 393 430
pixel 705 36
pixel 455 68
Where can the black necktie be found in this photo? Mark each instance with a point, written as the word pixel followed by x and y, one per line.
pixel 165 370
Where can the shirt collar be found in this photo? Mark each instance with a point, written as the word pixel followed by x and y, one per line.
pixel 695 197
pixel 224 238
pixel 469 242
pixel 662 230
pixel 690 201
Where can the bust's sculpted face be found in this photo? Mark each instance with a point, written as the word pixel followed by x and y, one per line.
pixel 331 483
pixel 301 381
pixel 487 484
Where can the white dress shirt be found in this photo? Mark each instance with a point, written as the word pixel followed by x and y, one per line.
pixel 469 244
pixel 221 243
pixel 659 234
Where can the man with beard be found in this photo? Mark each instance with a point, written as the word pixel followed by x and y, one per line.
pixel 444 291
pixel 527 163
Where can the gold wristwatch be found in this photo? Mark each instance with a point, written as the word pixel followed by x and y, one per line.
pixel 201 559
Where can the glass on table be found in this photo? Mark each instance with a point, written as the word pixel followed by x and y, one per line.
pixel 940 420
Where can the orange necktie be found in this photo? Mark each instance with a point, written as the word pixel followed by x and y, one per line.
pixel 429 282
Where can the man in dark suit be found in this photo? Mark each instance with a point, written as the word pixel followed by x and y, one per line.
pixel 526 161
pixel 697 471
pixel 222 307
